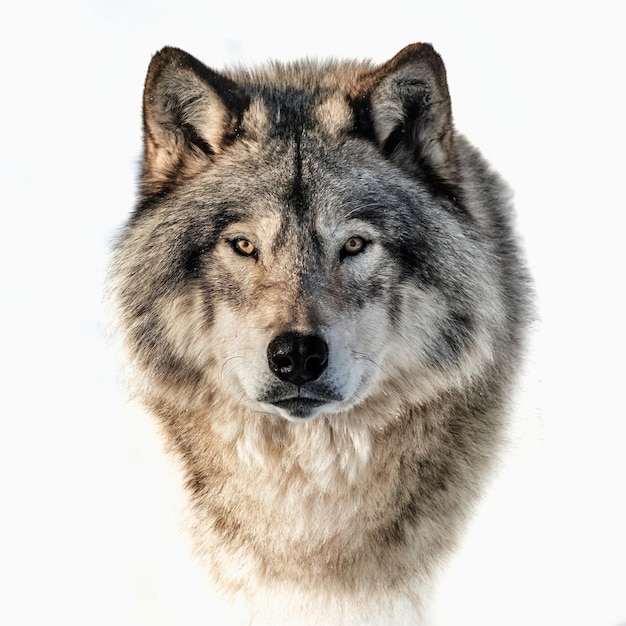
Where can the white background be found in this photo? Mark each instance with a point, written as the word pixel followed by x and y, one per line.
pixel 538 85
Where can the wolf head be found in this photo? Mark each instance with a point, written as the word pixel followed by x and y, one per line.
pixel 305 242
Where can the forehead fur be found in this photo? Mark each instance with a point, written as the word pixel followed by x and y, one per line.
pixel 306 75
pixel 324 85
pixel 329 113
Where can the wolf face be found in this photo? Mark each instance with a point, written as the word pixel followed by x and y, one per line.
pixel 301 243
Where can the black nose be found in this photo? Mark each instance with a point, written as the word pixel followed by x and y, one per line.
pixel 297 358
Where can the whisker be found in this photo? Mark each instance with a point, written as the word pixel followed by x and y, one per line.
pixel 226 363
pixel 360 356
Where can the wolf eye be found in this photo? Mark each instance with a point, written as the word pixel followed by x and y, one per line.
pixel 244 247
pixel 353 246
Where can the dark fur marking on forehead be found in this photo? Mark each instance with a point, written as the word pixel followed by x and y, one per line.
pixel 289 111
pixel 297 197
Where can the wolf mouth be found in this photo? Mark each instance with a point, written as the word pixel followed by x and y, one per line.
pixel 298 406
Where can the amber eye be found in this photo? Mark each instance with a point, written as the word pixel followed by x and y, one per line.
pixel 353 246
pixel 244 247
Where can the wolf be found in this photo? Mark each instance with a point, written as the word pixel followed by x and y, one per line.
pixel 323 303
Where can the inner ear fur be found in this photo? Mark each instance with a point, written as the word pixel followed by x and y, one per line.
pixel 190 113
pixel 410 113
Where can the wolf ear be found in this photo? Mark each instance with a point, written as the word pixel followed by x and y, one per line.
pixel 410 115
pixel 190 114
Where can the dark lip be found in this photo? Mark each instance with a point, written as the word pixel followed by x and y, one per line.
pixel 299 406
